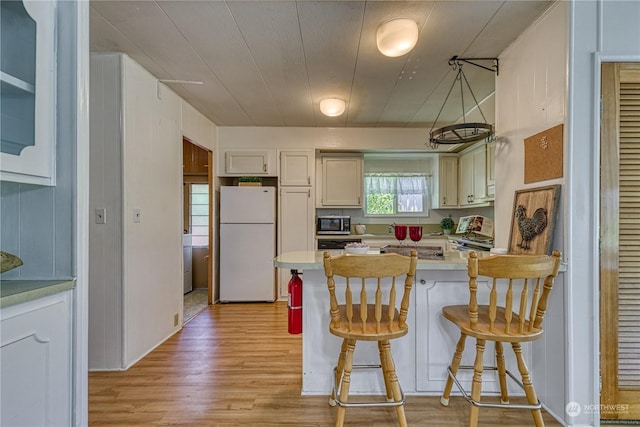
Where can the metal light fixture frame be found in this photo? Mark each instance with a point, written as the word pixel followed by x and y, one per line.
pixel 462 133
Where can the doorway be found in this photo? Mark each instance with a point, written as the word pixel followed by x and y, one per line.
pixel 619 237
pixel 197 228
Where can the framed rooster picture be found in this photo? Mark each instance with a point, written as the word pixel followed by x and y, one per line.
pixel 533 221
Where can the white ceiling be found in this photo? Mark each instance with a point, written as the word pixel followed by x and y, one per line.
pixel 269 63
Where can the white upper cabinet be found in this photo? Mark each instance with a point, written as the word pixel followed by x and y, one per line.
pixel 297 168
pixel 491 171
pixel 472 170
pixel 341 181
pixel 27 92
pixel 446 191
pixel 249 162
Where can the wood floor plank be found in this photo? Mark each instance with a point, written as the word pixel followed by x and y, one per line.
pixel 236 365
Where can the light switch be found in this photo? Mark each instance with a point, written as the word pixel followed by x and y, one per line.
pixel 137 214
pixel 101 215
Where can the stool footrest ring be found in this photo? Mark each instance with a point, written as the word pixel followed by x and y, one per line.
pixel 490 405
pixel 336 392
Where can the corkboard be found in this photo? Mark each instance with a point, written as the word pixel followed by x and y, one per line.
pixel 543 155
pixel 533 220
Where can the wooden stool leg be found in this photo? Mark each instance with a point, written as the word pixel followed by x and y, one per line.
pixel 502 373
pixel 393 381
pixel 385 372
pixel 455 363
pixel 476 385
pixel 345 383
pixel 339 370
pixel 529 391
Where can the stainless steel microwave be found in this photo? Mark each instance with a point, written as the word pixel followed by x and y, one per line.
pixel 333 224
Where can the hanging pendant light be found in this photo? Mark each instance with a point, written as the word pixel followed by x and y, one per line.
pixel 462 133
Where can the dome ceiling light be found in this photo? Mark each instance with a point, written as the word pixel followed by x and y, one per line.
pixel 397 37
pixel 462 133
pixel 332 107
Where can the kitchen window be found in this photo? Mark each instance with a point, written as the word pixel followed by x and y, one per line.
pixel 396 194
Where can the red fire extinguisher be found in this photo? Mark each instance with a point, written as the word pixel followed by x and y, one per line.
pixel 295 303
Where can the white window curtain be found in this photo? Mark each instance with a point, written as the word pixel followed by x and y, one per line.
pixel 406 187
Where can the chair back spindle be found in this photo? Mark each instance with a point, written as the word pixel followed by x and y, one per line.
pixel 507 274
pixel 378 276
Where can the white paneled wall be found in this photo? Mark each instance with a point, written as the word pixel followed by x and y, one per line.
pixel 531 97
pixel 136 175
pixel 197 127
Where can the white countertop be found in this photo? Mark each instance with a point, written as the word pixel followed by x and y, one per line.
pixel 386 236
pixel 312 260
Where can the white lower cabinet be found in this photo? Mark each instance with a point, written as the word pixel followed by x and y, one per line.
pixel 436 337
pixel 35 360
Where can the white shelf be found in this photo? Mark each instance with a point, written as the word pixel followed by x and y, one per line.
pixel 17 83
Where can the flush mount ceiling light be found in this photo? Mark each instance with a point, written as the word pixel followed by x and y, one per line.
pixel 332 107
pixel 462 133
pixel 397 37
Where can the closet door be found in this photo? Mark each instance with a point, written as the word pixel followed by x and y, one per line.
pixel 619 242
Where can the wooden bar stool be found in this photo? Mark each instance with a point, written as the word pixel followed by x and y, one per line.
pixel 501 324
pixel 373 317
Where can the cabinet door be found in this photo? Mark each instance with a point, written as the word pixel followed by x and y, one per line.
pixel 35 359
pixel 448 181
pixel 491 171
pixel 473 177
pixel 465 174
pixel 436 337
pixel 195 159
pixel 479 174
pixel 295 225
pixel 27 92
pixel 297 168
pixel 342 182
pixel 249 162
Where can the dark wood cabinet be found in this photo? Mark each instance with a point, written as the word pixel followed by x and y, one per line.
pixel 195 159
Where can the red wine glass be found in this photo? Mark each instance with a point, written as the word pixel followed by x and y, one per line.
pixel 400 232
pixel 415 233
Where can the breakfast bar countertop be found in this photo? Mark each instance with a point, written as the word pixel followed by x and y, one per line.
pixel 312 260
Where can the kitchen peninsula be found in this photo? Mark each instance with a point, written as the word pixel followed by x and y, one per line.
pixel 422 356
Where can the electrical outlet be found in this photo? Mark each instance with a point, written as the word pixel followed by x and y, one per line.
pixel 176 318
pixel 101 215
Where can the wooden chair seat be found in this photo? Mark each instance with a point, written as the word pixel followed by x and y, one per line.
pixel 373 330
pixel 368 312
pixel 459 315
pixel 518 320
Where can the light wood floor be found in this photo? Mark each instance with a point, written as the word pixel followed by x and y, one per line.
pixel 236 365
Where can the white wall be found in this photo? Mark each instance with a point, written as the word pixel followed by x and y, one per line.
pixel 195 126
pixel 135 267
pixel 153 184
pixel 531 97
pixel 105 248
pixel 323 138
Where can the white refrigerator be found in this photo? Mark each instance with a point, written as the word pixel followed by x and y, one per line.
pixel 247 243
